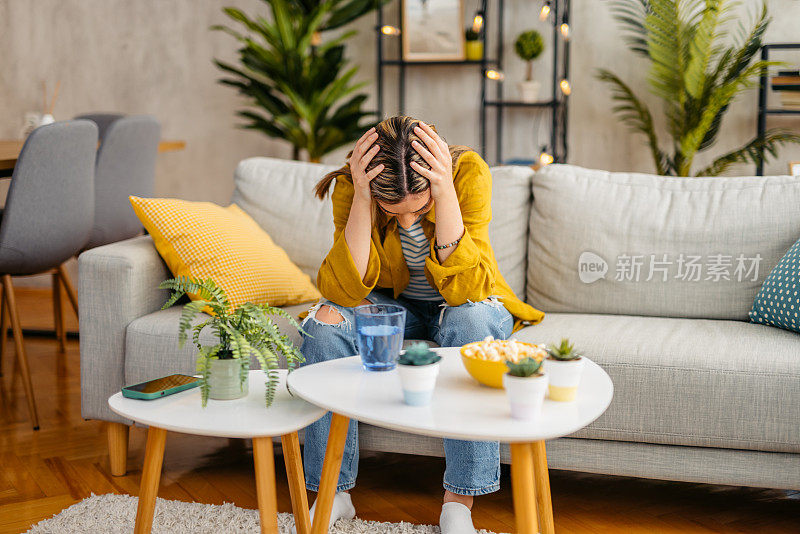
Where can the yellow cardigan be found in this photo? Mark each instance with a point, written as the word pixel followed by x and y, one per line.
pixel 469 273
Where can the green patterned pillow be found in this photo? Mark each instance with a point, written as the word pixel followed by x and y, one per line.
pixel 778 301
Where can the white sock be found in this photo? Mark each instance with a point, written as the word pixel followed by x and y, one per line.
pixel 342 509
pixel 456 519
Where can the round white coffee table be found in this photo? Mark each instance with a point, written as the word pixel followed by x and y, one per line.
pixel 247 417
pixel 460 409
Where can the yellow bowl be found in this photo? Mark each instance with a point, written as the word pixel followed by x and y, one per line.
pixel 487 372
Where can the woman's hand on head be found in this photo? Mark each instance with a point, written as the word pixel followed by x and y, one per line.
pixel 436 153
pixel 360 158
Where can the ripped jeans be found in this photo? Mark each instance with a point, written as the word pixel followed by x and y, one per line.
pixel 472 467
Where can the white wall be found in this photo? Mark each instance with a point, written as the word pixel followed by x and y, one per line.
pixel 149 56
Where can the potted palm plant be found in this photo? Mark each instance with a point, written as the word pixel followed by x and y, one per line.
pixel 564 365
pixel 418 367
pixel 526 385
pixel 529 46
pixel 697 71
pixel 299 83
pixel 243 332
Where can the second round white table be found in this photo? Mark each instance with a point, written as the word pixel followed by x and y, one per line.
pixel 460 409
pixel 247 417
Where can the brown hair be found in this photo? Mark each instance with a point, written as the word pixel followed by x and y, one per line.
pixel 398 179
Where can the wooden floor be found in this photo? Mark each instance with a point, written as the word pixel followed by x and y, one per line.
pixel 43 472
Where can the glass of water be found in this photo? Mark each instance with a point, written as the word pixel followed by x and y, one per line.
pixel 379 335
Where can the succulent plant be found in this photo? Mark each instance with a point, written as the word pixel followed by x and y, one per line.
pixel 525 367
pixel 418 354
pixel 563 352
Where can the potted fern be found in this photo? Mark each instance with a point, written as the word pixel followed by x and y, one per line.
pixel 526 385
pixel 245 331
pixel 418 368
pixel 529 46
pixel 564 366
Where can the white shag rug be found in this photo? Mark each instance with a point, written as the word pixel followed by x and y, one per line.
pixel 116 514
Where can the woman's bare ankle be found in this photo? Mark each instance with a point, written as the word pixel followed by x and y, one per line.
pixel 466 500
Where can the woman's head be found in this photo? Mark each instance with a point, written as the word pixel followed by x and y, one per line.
pixel 398 189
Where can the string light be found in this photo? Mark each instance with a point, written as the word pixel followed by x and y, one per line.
pixel 477 23
pixel 565 30
pixel 495 75
pixel 390 30
pixel 565 88
pixel 545 158
pixel 545 12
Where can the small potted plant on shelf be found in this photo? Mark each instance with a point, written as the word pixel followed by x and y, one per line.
pixel 418 367
pixel 564 366
pixel 526 385
pixel 529 46
pixel 241 333
pixel 474 45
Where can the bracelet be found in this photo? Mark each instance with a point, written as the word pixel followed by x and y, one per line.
pixel 442 247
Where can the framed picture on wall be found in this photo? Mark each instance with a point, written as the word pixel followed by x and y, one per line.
pixel 433 30
pixel 794 168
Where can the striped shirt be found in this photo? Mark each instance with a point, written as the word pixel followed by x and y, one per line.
pixel 416 248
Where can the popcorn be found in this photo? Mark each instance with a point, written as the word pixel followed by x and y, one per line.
pixel 498 350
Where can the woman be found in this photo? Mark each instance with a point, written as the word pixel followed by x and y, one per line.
pixel 411 219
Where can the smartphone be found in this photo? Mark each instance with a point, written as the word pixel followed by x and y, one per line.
pixel 160 387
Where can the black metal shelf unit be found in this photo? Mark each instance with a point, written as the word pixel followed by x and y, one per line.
pixel 763 110
pixel 557 104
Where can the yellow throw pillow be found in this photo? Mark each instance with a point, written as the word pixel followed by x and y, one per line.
pixel 204 240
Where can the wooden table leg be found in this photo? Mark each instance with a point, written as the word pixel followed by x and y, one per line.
pixel 522 488
pixel 541 477
pixel 264 460
pixel 297 483
pixel 337 435
pixel 151 475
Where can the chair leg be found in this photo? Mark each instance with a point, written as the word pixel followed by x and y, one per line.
pixel 3 325
pixel 118 448
pixel 71 293
pixel 58 314
pixel 22 357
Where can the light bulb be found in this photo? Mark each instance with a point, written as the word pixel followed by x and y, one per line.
pixel 565 30
pixel 565 88
pixel 495 75
pixel 477 23
pixel 390 30
pixel 545 12
pixel 545 158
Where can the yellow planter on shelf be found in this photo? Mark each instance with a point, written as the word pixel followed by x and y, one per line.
pixel 474 50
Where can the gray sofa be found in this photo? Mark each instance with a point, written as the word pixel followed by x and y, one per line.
pixel 700 393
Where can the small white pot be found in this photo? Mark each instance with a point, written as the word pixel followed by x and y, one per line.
pixel 224 380
pixel 418 383
pixel 565 377
pixel 526 395
pixel 529 90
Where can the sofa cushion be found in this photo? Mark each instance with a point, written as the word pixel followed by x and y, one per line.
pixel 689 382
pixel 278 194
pixel 778 302
pixel 151 344
pixel 608 223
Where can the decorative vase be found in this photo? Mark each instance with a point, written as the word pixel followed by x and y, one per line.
pixel 529 90
pixel 474 50
pixel 565 376
pixel 224 380
pixel 418 383
pixel 525 395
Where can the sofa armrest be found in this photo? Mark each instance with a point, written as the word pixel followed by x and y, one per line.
pixel 117 284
